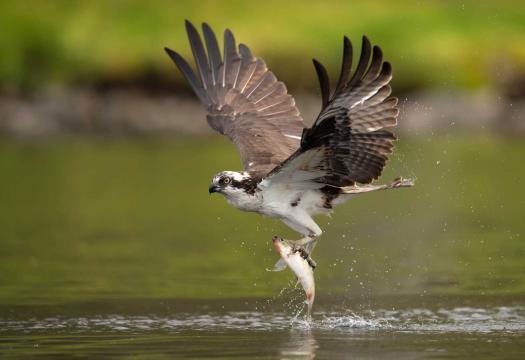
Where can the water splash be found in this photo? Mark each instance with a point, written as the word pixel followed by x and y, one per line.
pixel 461 319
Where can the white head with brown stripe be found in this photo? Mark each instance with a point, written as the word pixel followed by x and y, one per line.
pixel 239 189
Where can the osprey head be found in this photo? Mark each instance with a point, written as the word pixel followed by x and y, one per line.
pixel 230 183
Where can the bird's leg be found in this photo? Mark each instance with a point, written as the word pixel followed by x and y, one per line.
pixel 307 245
pixel 311 233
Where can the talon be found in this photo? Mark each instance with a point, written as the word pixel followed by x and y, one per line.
pixel 303 246
pixel 305 255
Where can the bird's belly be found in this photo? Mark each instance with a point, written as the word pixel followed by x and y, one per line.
pixel 310 201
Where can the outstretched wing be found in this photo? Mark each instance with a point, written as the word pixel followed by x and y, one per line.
pixel 348 142
pixel 244 100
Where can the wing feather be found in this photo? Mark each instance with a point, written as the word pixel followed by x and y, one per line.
pixel 188 73
pixel 199 55
pixel 349 140
pixel 346 64
pixel 244 100
pixel 324 82
pixel 363 63
pixel 230 57
pixel 214 54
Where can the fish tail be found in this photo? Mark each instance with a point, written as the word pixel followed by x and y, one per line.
pixel 309 304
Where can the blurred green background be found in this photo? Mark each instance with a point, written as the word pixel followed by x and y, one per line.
pixel 124 213
pixel 431 43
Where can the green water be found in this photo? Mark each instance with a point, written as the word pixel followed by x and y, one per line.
pixel 97 230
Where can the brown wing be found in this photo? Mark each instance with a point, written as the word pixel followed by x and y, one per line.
pixel 348 142
pixel 244 100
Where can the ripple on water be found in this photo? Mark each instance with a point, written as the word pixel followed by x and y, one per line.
pixel 461 319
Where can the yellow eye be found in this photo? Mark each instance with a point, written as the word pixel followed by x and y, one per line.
pixel 227 180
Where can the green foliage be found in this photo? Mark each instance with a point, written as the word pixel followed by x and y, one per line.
pixel 430 43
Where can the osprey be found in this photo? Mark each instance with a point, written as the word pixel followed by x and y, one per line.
pixel 292 172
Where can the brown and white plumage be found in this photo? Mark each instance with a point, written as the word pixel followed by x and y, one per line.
pixel 292 172
pixel 244 100
pixel 347 143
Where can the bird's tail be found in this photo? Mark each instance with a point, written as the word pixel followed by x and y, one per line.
pixel 396 183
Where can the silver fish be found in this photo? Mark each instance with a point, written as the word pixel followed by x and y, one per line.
pixel 301 264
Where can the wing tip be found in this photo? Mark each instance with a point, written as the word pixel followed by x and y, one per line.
pixel 228 32
pixel 324 82
pixel 175 56
pixel 206 29
pixel 245 50
pixel 347 44
pixel 376 51
pixel 386 69
pixel 188 23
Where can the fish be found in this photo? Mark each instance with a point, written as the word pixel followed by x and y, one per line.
pixel 301 264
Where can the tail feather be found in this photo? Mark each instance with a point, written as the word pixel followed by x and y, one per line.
pixel 396 183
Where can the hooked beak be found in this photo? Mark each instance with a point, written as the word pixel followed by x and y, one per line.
pixel 214 188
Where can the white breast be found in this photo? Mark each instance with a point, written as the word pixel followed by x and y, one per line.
pixel 283 200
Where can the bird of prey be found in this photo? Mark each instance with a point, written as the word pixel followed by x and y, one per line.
pixel 292 172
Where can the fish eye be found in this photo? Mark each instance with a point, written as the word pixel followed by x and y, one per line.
pixel 226 180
